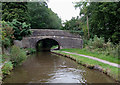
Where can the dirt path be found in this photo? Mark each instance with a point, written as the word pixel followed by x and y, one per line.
pixel 100 60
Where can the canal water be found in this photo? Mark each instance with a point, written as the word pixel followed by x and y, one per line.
pixel 48 68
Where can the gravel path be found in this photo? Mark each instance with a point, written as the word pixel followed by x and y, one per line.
pixel 100 60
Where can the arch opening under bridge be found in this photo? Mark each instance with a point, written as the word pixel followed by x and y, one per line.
pixel 47 44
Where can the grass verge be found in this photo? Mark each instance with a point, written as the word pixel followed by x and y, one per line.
pixel 93 54
pixel 93 64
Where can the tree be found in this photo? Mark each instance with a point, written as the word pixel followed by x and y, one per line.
pixel 43 17
pixel 83 7
pixel 74 25
pixel 14 10
pixel 54 20
pixel 104 19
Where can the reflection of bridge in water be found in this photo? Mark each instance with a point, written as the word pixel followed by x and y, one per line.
pixel 64 38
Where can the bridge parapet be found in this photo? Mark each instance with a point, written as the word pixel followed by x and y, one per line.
pixel 49 32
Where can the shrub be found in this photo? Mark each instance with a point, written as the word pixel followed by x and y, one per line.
pixel 6 42
pixel 115 52
pixel 118 50
pixel 17 55
pixel 96 43
pixel 8 66
pixel 85 42
pixel 90 44
pixel 109 47
pixel 7 35
pixel 31 50
pixel 5 57
pixel 7 31
pixel 112 50
pixel 20 29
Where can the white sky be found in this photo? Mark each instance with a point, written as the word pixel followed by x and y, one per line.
pixel 64 8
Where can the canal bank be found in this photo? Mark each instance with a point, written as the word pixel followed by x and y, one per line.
pixel 110 71
pixel 12 60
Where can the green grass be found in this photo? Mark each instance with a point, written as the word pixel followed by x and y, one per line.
pixel 94 54
pixel 112 71
pixel 54 47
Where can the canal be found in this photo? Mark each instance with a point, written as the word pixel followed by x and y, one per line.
pixel 45 67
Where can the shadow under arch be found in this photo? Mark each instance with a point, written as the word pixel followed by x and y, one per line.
pixel 46 44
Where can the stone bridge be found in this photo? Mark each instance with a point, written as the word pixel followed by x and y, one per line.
pixel 64 38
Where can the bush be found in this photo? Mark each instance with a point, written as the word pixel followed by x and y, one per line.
pixel 6 42
pixel 85 42
pixel 7 31
pixel 7 34
pixel 31 50
pixel 115 51
pixel 8 66
pixel 109 48
pixel 20 29
pixel 17 55
pixel 96 43
pixel 118 50
pixel 90 44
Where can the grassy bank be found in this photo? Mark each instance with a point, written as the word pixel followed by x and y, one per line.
pixel 93 64
pixel 94 54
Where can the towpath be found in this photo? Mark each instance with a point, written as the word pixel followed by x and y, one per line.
pixel 97 59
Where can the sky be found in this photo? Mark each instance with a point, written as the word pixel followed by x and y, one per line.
pixel 64 8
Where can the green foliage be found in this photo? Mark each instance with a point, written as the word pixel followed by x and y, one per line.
pixel 103 19
pixel 8 66
pixel 54 20
pixel 35 13
pixel 17 55
pixel 14 10
pixel 40 16
pixel 7 34
pixel 20 29
pixel 73 24
pixel 6 42
pixel 99 45
pixel 31 50
pixel 96 42
pixel 112 50
pixel 16 15
pixel 7 31
pixel 116 36
pixel 54 47
pixel 117 50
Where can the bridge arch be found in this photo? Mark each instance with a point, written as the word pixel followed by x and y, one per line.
pixel 45 44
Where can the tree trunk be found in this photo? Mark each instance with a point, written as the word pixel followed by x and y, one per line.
pixel 88 28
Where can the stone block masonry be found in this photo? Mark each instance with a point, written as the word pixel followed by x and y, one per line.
pixel 64 38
